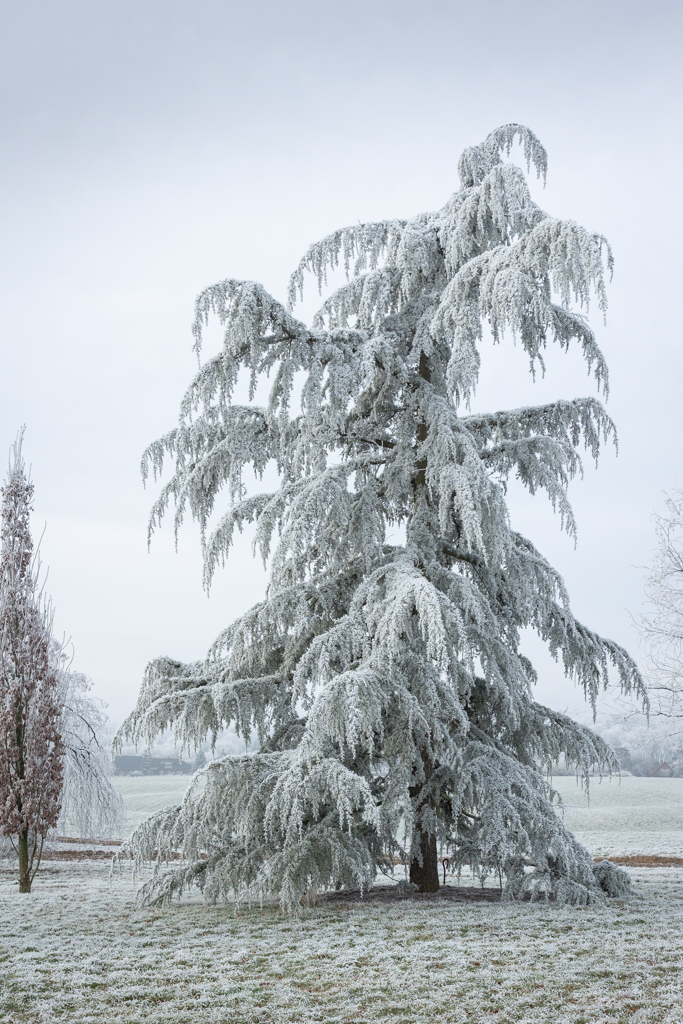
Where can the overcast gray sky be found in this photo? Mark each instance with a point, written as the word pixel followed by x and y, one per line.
pixel 151 148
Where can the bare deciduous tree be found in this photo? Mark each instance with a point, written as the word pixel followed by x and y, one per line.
pixel 31 745
pixel 662 629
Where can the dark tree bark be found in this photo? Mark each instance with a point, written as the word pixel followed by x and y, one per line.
pixel 425 875
pixel 424 866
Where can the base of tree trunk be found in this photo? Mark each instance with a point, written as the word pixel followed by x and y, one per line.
pixel 24 866
pixel 425 875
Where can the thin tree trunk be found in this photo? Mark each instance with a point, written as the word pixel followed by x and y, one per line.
pixel 424 867
pixel 24 866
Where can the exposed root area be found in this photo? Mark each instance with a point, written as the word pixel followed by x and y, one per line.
pixel 395 893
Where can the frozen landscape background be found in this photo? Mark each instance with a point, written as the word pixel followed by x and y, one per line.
pixel 154 148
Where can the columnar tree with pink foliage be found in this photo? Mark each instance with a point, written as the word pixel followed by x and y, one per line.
pixel 31 746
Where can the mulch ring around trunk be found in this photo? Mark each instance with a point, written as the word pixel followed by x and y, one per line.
pixel 397 893
pixel 469 894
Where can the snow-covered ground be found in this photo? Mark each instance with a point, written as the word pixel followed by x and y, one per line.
pixel 78 949
pixel 624 816
pixel 144 795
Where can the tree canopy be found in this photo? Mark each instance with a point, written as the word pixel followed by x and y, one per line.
pixel 382 673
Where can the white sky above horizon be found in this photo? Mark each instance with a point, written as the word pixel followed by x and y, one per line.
pixel 153 148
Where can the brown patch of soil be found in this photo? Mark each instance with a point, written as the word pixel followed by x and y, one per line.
pixel 77 855
pixel 85 842
pixel 644 860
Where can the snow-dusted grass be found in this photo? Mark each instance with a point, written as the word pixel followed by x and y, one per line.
pixel 626 816
pixel 78 950
pixel 144 795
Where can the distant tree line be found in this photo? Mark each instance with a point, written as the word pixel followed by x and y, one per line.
pixel 145 764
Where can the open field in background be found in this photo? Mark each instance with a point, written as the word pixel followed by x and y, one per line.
pixel 143 796
pixel 78 949
pixel 624 816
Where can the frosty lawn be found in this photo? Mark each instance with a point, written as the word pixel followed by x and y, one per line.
pixel 85 953
pixel 91 955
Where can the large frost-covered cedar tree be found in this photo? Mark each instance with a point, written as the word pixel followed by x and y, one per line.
pixel 383 676
pixel 31 744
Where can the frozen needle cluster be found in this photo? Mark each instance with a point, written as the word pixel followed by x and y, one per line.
pixel 385 682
